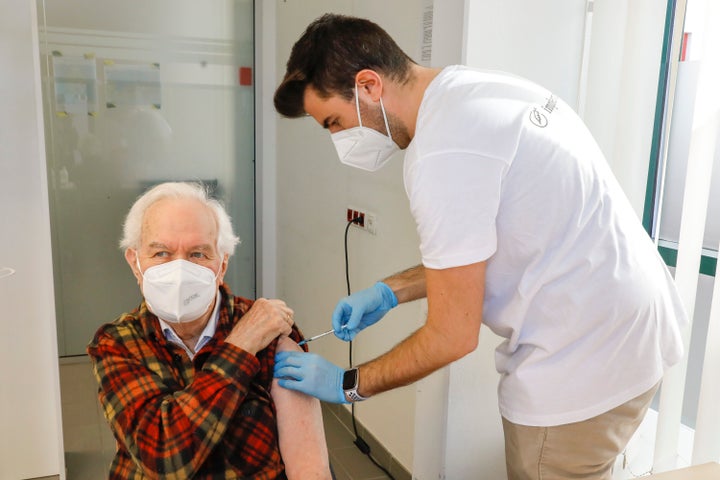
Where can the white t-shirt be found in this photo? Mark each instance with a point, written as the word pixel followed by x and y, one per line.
pixel 503 171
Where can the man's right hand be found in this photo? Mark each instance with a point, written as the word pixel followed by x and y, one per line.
pixel 362 309
pixel 264 322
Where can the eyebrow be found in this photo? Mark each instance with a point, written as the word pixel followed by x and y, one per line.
pixel 202 246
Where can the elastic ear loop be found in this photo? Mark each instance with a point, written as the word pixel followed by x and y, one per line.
pixel 137 262
pixel 382 108
pixel 357 104
pixel 387 125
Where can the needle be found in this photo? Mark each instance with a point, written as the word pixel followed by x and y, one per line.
pixel 303 342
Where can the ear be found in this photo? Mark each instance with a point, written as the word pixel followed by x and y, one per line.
pixel 370 83
pixel 223 269
pixel 131 259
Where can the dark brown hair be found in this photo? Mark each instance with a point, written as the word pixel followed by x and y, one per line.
pixel 329 54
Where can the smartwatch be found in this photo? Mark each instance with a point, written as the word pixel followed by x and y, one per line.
pixel 350 386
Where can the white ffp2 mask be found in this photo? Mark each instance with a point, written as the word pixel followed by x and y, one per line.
pixel 178 291
pixel 364 147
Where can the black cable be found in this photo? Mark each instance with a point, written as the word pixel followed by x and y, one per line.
pixel 359 442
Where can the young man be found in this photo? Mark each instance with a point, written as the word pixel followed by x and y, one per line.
pixel 186 379
pixel 522 226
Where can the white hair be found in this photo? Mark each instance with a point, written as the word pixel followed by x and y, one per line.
pixel 132 228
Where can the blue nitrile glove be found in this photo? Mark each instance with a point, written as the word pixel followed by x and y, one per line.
pixel 362 309
pixel 310 374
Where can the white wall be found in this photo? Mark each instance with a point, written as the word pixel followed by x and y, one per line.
pixel 625 56
pixel 541 41
pixel 31 445
pixel 313 191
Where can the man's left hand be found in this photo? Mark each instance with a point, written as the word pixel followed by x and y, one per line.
pixel 311 374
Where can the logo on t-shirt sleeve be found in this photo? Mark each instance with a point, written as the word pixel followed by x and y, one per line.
pixel 539 115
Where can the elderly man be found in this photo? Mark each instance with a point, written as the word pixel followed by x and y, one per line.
pixel 186 379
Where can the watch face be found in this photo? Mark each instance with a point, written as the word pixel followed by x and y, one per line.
pixel 350 379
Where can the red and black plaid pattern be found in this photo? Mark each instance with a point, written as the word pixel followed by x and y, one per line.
pixel 211 417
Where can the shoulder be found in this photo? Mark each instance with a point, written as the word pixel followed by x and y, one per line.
pixel 242 304
pixel 473 112
pixel 127 329
pixel 235 305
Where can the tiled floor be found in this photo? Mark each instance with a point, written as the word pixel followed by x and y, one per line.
pixel 89 445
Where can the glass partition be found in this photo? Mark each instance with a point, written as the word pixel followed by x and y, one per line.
pixel 138 93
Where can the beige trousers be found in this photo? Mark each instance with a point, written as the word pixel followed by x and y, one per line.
pixel 582 450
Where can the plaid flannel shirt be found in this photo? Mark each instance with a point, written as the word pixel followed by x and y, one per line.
pixel 211 417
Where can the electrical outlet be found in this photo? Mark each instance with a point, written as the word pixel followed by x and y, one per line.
pixel 364 220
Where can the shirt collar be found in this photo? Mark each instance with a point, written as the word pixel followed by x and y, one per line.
pixel 206 334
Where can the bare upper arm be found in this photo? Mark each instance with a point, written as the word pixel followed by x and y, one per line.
pixel 300 429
